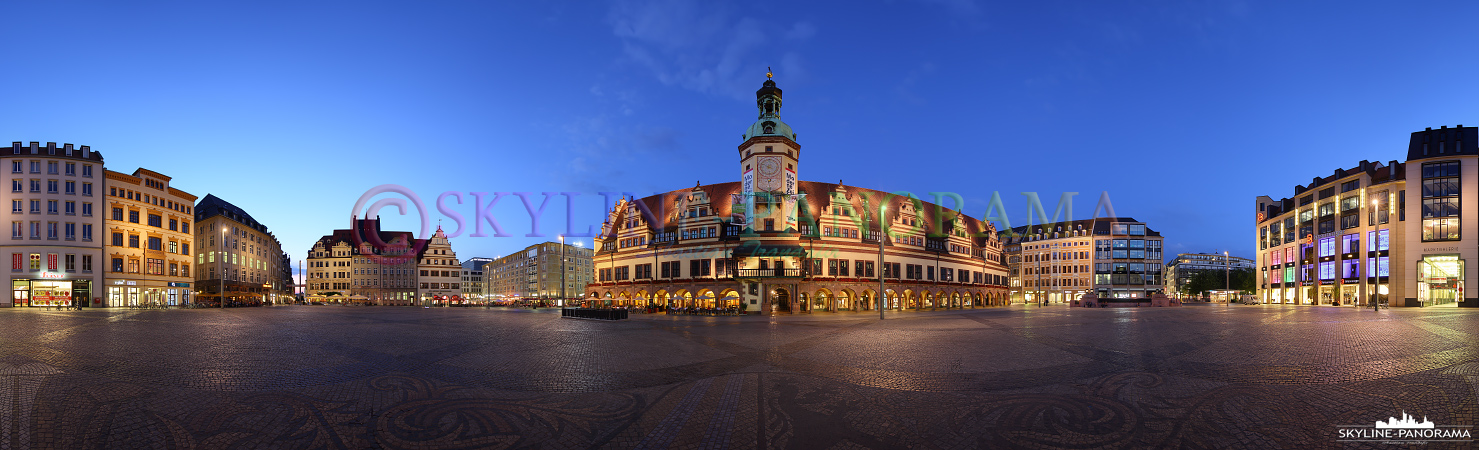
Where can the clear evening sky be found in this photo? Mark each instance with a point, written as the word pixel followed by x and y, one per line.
pixel 1183 112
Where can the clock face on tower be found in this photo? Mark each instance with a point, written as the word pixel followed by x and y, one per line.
pixel 770 167
pixel 769 176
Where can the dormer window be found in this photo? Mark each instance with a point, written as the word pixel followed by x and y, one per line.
pixel 769 127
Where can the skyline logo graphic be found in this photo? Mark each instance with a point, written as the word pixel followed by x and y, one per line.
pixel 1406 422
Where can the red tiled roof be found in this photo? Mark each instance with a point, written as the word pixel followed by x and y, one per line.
pixel 819 198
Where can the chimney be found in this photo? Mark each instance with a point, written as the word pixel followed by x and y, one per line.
pixel 1444 127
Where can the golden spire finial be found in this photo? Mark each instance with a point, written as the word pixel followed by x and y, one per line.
pixel 767 73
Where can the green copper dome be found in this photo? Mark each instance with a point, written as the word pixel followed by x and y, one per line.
pixel 772 126
pixel 768 100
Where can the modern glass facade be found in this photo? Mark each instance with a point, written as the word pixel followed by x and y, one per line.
pixel 1372 254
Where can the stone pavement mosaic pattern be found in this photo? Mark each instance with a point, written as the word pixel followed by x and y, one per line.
pixel 318 377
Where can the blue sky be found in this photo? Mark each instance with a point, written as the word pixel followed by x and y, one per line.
pixel 1182 111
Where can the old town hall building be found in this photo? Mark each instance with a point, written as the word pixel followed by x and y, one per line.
pixel 771 243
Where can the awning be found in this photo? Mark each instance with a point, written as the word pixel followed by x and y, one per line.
pixel 755 248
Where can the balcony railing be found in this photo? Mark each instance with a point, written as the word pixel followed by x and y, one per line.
pixel 773 273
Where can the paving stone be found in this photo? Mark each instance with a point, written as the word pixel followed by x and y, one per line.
pixel 310 377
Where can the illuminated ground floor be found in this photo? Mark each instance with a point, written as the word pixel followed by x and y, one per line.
pixel 1432 280
pixel 1061 295
pixel 439 297
pixel 144 292
pixel 208 293
pixel 49 292
pixel 795 296
pixel 389 297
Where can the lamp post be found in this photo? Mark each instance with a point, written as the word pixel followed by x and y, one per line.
pixel 1227 276
pixel 222 265
pixel 1375 203
pixel 882 210
pixel 562 271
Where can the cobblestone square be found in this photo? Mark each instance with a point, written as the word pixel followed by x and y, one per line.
pixel 322 377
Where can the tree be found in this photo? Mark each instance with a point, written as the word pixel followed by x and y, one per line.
pixel 1206 280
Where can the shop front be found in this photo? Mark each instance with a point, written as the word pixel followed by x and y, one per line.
pixel 129 293
pixel 1440 280
pixel 48 292
pixel 123 293
pixel 1327 292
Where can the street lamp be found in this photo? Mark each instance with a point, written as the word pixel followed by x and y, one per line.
pixel 882 211
pixel 222 266
pixel 1375 203
pixel 1226 277
pixel 562 270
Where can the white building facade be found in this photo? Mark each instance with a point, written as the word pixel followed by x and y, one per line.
pixel 55 250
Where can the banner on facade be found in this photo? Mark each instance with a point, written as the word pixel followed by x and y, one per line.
pixel 744 208
pixel 791 199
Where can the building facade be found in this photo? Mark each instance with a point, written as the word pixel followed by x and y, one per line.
pixel 1114 257
pixel 474 286
pixel 148 240
pixel 533 274
pixel 1179 270
pixel 1353 236
pixel 439 279
pixel 348 266
pixel 771 243
pixel 237 258
pixel 55 253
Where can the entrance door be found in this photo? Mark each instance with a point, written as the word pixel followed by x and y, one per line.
pixel 1440 280
pixel 782 299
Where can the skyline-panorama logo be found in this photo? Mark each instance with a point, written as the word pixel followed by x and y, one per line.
pixel 1406 430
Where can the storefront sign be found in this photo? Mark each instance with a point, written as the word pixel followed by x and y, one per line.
pixel 52 275
pixel 177 284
